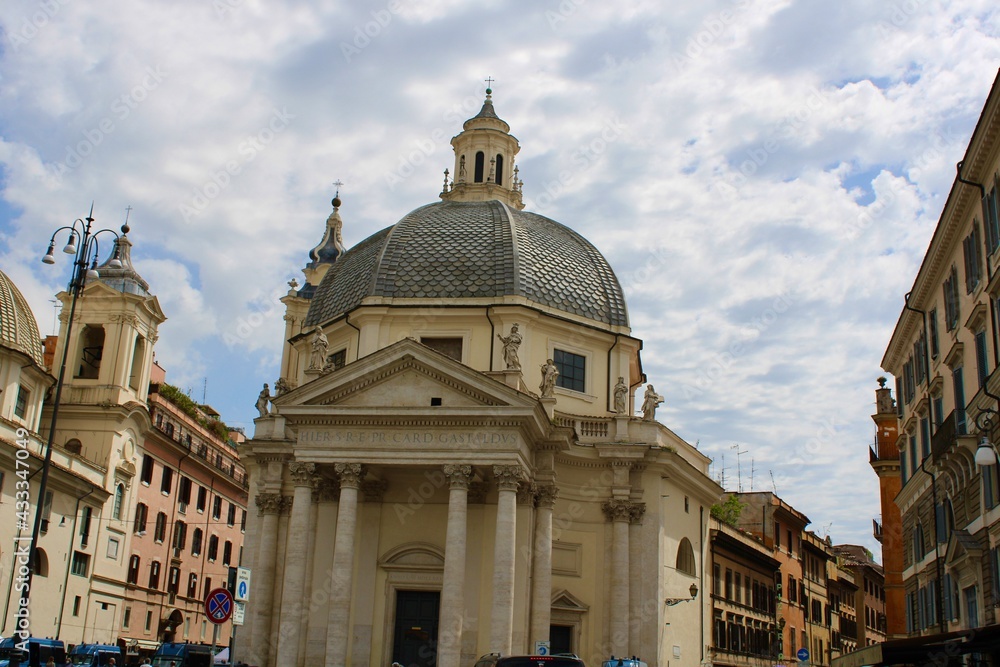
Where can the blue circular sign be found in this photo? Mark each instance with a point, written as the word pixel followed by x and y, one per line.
pixel 219 606
pixel 242 589
pixel 803 655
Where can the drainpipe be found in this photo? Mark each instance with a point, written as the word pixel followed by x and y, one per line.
pixel 927 354
pixel 72 537
pixel 357 348
pixel 493 332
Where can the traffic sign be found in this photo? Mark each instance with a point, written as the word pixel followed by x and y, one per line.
pixel 239 613
pixel 242 593
pixel 219 606
pixel 803 655
pixel 542 648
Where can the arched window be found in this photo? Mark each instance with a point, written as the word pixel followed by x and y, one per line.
pixel 685 558
pixel 74 446
pixel 116 509
pixel 480 165
pixel 91 351
pixel 40 563
pixel 499 168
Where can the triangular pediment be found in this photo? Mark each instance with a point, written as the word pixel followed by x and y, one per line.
pixel 961 545
pixel 566 601
pixel 406 375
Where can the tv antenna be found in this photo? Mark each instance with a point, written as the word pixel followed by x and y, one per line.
pixel 739 472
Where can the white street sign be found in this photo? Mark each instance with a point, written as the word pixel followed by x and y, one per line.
pixel 242 593
pixel 239 613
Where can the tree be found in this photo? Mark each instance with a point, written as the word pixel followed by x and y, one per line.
pixel 728 511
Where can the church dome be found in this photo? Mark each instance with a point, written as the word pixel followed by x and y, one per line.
pixel 481 250
pixel 18 327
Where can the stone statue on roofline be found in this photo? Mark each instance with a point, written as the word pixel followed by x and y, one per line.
pixel 650 401
pixel 511 343
pixel 263 398
pixel 549 375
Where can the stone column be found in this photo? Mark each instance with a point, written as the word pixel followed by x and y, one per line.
pixel 295 564
pixel 619 512
pixel 452 597
pixel 338 630
pixel 541 568
pixel 636 580
pixel 502 618
pixel 313 642
pixel 269 505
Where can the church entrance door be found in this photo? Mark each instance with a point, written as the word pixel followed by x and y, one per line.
pixel 415 634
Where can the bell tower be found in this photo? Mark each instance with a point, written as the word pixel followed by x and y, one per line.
pixel 884 459
pixel 111 351
pixel 484 161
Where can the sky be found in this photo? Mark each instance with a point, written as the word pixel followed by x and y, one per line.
pixel 764 177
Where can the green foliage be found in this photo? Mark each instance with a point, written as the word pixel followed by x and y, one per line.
pixel 729 511
pixel 190 408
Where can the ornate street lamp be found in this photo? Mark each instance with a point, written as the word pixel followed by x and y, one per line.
pixel 82 245
pixel 670 602
pixel 986 453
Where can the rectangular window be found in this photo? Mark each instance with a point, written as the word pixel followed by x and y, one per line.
pixel 951 311
pixel 899 397
pixel 729 584
pixel 113 548
pixel 991 213
pixel 933 326
pixel 716 580
pixel 192 585
pixel 449 347
pixel 904 471
pixel 154 575
pixel 243 518
pixel 909 382
pixel 937 408
pixel 184 490
pixel 81 563
pixel 959 386
pixel 973 263
pixel 21 402
pixel 919 359
pixel 146 476
pixel 149 620
pixel 925 437
pixel 572 370
pixel 231 515
pixel 982 361
pixel 202 498
pixel 217 508
pixel 85 526
pixel 338 359
pixel 126 618
pixel 227 553
pixel 76 605
pixel 166 481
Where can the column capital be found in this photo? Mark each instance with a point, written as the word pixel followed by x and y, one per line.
pixel 325 490
pixel 638 511
pixel 269 503
pixel 286 504
pixel 458 475
pixel 618 509
pixel 373 490
pixel 507 476
pixel 350 474
pixel 525 493
pixel 302 472
pixel 545 495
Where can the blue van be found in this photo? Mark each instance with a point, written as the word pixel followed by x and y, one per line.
pixel 95 655
pixel 182 655
pixel 39 651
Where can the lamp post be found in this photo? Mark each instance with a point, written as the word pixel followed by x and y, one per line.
pixel 986 452
pixel 670 602
pixel 82 245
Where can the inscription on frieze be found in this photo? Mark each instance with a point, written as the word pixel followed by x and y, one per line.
pixel 470 438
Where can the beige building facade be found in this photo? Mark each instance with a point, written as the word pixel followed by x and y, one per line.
pixel 453 464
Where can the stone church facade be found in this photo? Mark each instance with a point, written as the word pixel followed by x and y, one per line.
pixel 451 464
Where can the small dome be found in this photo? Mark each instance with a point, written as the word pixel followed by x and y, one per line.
pixel 18 327
pixel 474 250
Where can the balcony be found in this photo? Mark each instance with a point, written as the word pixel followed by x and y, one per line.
pixel 945 435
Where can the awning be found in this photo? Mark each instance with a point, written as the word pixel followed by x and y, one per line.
pixel 923 649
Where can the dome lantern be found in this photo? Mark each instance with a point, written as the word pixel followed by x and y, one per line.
pixel 484 160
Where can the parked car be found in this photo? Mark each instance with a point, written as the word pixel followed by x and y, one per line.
pixel 39 651
pixel 559 660
pixel 183 655
pixel 624 662
pixel 95 655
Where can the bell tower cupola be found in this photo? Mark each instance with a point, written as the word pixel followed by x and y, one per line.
pixel 484 161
